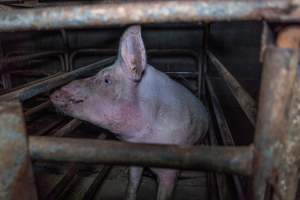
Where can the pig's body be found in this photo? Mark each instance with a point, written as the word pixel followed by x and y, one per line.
pixel 139 104
pixel 168 112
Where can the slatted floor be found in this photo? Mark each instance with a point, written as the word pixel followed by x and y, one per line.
pixel 191 185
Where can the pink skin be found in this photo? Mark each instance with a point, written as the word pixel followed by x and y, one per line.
pixel 139 104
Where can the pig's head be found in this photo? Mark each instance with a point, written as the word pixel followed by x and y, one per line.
pixel 108 99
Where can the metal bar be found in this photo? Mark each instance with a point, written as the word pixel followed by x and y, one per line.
pixel 21 58
pixel 92 190
pixel 46 85
pixel 222 187
pixel 124 13
pixel 225 133
pixel 228 159
pixel 183 74
pixel 289 37
pixel 48 127
pixel 64 184
pixel 6 81
pixel 68 128
pixel 30 73
pixel 278 77
pixel 65 39
pixel 289 166
pixel 3 92
pixel 150 52
pixel 267 39
pixel 246 102
pixel 187 84
pixel 16 176
pixel 202 67
pixel 287 163
pixel 37 108
pixel 12 58
pixel 61 188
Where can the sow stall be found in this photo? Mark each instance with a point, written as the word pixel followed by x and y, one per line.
pixel 265 169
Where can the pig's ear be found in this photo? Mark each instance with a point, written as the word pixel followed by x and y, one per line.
pixel 132 53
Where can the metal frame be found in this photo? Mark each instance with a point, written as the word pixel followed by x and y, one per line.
pixel 273 159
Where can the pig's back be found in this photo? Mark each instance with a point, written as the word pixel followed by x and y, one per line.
pixel 178 117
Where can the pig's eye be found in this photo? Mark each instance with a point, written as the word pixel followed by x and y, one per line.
pixel 107 81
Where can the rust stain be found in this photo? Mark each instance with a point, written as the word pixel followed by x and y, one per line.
pixel 289 37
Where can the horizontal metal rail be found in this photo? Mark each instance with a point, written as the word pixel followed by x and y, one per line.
pixel 21 58
pixel 236 160
pixel 150 52
pixel 48 84
pixel 97 15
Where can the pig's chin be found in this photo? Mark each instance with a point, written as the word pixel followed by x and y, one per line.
pixel 65 110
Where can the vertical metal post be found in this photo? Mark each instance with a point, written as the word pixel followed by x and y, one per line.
pixel 202 66
pixel 278 78
pixel 6 79
pixel 16 176
pixel 67 66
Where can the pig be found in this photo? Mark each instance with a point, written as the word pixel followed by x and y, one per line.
pixel 138 104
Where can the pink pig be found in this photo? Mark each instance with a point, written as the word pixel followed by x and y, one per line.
pixel 139 104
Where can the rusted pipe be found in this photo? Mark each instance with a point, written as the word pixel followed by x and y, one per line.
pixel 278 77
pixel 64 183
pixel 96 184
pixel 246 102
pixel 124 13
pixel 21 58
pixel 226 159
pixel 289 38
pixel 225 133
pixel 150 52
pixel 16 175
pixel 37 108
pixel 48 127
pixel 69 127
pixel 61 187
pixel 48 84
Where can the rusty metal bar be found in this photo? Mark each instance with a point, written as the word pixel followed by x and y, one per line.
pixel 227 159
pixel 289 166
pixel 90 193
pixel 16 176
pixel 64 184
pixel 150 52
pixel 225 133
pixel 37 108
pixel 278 77
pixel 220 178
pixel 246 102
pixel 68 128
pixel 202 67
pixel 48 84
pixel 31 56
pixel 124 13
pixel 61 188
pixel 48 127
pixel 9 59
pixel 267 39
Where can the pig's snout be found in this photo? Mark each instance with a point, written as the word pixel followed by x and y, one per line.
pixel 60 97
pixel 68 95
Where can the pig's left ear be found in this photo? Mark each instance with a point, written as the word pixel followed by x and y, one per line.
pixel 132 53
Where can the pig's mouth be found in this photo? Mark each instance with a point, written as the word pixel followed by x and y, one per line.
pixel 76 101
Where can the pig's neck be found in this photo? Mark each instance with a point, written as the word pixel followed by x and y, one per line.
pixel 140 111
